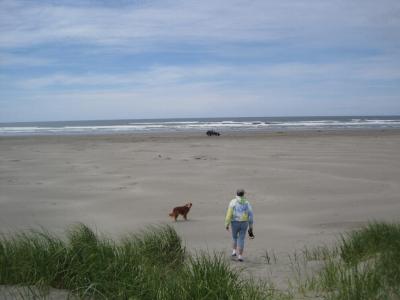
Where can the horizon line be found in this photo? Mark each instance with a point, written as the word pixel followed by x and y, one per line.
pixel 186 118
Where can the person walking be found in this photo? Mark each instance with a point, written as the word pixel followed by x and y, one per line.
pixel 240 217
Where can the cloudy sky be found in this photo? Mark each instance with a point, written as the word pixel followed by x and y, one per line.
pixel 98 59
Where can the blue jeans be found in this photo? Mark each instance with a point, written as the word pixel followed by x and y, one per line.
pixel 239 230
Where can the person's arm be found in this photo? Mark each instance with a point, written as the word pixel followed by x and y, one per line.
pixel 251 216
pixel 228 217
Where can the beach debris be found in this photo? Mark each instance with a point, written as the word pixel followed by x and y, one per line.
pixel 204 157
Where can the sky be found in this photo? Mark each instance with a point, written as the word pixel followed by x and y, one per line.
pixel 97 59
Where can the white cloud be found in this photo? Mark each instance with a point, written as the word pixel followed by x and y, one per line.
pixel 153 76
pixel 29 23
pixel 247 76
pixel 196 100
pixel 225 90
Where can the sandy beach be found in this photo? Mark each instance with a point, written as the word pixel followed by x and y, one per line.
pixel 305 187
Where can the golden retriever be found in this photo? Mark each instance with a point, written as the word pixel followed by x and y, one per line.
pixel 181 210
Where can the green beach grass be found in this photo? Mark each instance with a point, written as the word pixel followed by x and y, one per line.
pixel 150 265
pixel 153 264
pixel 364 265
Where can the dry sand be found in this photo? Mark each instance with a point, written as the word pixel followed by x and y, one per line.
pixel 305 187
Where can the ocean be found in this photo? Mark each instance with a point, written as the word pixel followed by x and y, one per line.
pixel 199 125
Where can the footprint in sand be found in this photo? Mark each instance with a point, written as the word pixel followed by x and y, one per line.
pixel 204 157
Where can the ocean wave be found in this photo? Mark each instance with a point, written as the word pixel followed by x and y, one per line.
pixel 88 127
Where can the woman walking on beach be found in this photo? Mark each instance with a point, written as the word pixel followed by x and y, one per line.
pixel 240 217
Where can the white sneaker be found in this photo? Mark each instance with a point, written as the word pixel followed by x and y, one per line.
pixel 240 258
pixel 233 253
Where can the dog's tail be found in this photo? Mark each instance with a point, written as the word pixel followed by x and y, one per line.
pixel 171 214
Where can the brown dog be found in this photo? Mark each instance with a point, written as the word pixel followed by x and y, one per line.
pixel 181 210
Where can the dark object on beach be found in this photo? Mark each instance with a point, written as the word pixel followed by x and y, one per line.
pixel 212 132
pixel 250 232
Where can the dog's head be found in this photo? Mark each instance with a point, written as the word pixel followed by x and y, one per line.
pixel 188 205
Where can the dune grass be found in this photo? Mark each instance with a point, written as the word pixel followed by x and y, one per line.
pixel 150 265
pixel 153 264
pixel 364 265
